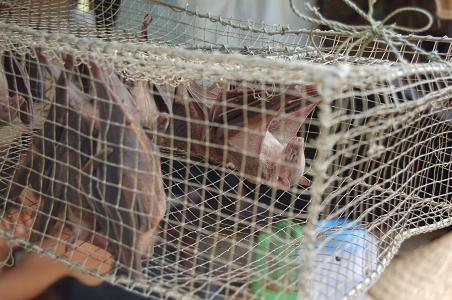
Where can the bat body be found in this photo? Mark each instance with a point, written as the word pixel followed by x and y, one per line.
pixel 268 133
pixel 129 187
pixel 145 104
pixel 138 101
pixel 55 159
pixel 259 130
pixel 281 145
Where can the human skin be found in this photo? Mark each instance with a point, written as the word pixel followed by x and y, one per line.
pixel 35 273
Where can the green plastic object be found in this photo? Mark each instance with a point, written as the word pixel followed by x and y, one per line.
pixel 277 262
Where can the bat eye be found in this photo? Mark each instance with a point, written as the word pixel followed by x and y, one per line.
pixel 337 258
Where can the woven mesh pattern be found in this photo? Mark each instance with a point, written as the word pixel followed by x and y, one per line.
pixel 187 156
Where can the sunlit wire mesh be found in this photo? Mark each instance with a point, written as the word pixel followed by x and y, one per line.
pixel 184 155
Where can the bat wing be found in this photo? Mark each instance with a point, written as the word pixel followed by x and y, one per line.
pixel 123 94
pixel 207 95
pixel 54 132
pixel 124 135
pixel 56 117
pixel 36 73
pixel 164 97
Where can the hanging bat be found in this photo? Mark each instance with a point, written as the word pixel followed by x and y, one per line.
pixel 150 114
pixel 74 149
pixel 46 165
pixel 241 119
pixel 46 155
pixel 9 106
pixel 38 159
pixel 138 100
pixel 128 186
pixel 282 145
pixel 267 134
pixel 15 94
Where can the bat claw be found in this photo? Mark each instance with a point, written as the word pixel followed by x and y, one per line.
pixel 162 122
pixel 283 183
pixel 305 182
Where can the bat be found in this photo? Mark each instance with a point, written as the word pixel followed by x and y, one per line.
pixel 246 121
pixel 75 148
pixel 266 133
pixel 35 163
pixel 138 101
pixel 53 133
pixel 19 86
pixel 47 164
pixel 128 177
pixel 281 141
pixel 14 91
pixel 9 106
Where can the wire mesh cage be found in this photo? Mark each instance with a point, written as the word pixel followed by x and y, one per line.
pixel 184 155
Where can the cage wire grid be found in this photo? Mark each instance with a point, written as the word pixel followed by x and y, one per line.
pixel 184 220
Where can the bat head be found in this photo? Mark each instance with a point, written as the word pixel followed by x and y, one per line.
pixel 292 165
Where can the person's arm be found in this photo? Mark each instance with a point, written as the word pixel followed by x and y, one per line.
pixel 35 273
pixel 18 221
pixel 4 251
pixel 29 278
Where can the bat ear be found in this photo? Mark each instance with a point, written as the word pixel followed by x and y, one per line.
pixel 303 181
pixel 162 122
pixel 304 111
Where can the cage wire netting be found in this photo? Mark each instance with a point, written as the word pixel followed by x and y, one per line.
pixel 184 155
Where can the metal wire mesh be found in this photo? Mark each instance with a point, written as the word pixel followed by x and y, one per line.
pixel 172 151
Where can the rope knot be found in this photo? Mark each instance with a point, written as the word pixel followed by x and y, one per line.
pixel 374 30
pixel 377 27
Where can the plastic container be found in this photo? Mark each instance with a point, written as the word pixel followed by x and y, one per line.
pixel 277 252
